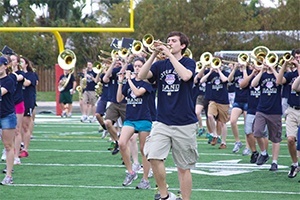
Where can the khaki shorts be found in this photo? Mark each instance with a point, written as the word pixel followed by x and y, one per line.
pixel 219 111
pixel 114 111
pixel 89 97
pixel 292 122
pixel 200 100
pixel 180 139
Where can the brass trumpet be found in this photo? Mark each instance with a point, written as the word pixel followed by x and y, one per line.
pixel 287 56
pixel 149 42
pixel 243 59
pixel 188 53
pixel 198 66
pixel 97 67
pixel 271 59
pixel 206 58
pixel 216 62
pixel 66 59
pixel 124 53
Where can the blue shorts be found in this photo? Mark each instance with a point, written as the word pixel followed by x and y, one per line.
pixel 8 122
pixel 101 107
pixel 139 125
pixel 242 106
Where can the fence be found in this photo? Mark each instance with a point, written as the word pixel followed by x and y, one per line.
pixel 46 79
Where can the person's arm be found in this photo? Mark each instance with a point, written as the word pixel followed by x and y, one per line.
pixel 106 77
pixel 222 76
pixel 246 78
pixel 136 91
pixel 145 72
pixel 204 78
pixel 296 84
pixel 280 78
pixel 231 75
pixel 257 78
pixel 3 91
pixel 120 96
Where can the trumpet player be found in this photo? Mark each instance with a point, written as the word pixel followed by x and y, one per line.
pixel 293 110
pixel 268 113
pixel 176 125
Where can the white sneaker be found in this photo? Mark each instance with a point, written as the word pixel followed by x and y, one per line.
pixel 150 174
pixel 136 167
pixel 17 161
pixel 3 157
pixel 84 118
pixel 246 152
pixel 92 119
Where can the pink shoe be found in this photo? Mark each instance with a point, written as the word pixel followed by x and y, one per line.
pixel 23 154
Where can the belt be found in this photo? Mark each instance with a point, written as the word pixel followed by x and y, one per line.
pixel 296 107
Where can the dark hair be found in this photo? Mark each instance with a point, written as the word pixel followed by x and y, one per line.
pixel 295 51
pixel 182 37
pixel 28 62
pixel 142 59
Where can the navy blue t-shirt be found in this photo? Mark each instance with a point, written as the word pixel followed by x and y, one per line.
pixel 253 99
pixel 293 96
pixel 18 95
pixel 7 100
pixel 217 90
pixel 29 92
pixel 90 83
pixel 175 105
pixel 270 99
pixel 137 107
pixel 105 92
pixel 241 94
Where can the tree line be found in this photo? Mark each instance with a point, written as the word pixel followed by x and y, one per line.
pixel 211 25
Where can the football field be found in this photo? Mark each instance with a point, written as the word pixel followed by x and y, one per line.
pixel 69 160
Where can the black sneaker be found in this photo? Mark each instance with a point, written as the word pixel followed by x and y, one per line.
pixel 262 159
pixel 254 157
pixel 116 149
pixel 274 167
pixel 293 172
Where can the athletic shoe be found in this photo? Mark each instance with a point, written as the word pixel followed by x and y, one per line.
pixel 219 140
pixel 150 174
pixel 84 118
pixel 5 170
pixel 172 196
pixel 7 180
pixel 92 119
pixel 254 157
pixel 214 141
pixel 201 131
pixel 210 137
pixel 111 147
pixel 237 147
pixel 179 196
pixel 69 115
pixel 274 167
pixel 293 172
pixel 17 161
pixel 23 154
pixel 222 146
pixel 3 157
pixel 246 152
pixel 262 159
pixel 116 149
pixel 136 167
pixel 104 134
pixel 143 184
pixel 129 178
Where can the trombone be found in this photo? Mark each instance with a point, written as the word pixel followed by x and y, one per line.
pixel 243 59
pixel 206 58
pixel 216 63
pixel 271 59
pixel 97 67
pixel 259 54
pixel 188 53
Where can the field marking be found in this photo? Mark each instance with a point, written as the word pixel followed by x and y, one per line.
pixel 171 189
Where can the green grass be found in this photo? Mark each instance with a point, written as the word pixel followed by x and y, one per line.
pixel 50 96
pixel 69 160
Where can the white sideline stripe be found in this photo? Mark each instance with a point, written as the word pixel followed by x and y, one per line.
pixel 133 188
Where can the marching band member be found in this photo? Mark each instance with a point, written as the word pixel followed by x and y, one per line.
pixel 176 125
pixel 218 108
pixel 293 110
pixel 138 119
pixel 269 111
pixel 8 119
pixel 29 92
pixel 68 88
pixel 239 105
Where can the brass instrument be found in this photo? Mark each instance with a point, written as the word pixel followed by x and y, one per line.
pixel 259 54
pixel 98 89
pixel 243 59
pixel 64 81
pixel 137 48
pixel 198 66
pixel 149 42
pixel 83 83
pixel 79 90
pixel 206 58
pixel 271 59
pixel 216 62
pixel 97 67
pixel 113 54
pixel 188 53
pixel 66 59
pixel 124 53
pixel 287 56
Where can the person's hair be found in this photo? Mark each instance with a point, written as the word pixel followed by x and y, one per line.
pixel 295 51
pixel 28 62
pixel 182 37
pixel 142 59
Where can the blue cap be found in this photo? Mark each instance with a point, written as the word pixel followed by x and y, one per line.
pixel 3 60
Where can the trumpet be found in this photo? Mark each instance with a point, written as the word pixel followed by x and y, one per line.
pixel 243 59
pixel 66 59
pixel 216 62
pixel 97 67
pixel 287 56
pixel 188 53
pixel 124 53
pixel 271 59
pixel 149 42
pixel 198 66
pixel 137 47
pixel 206 58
